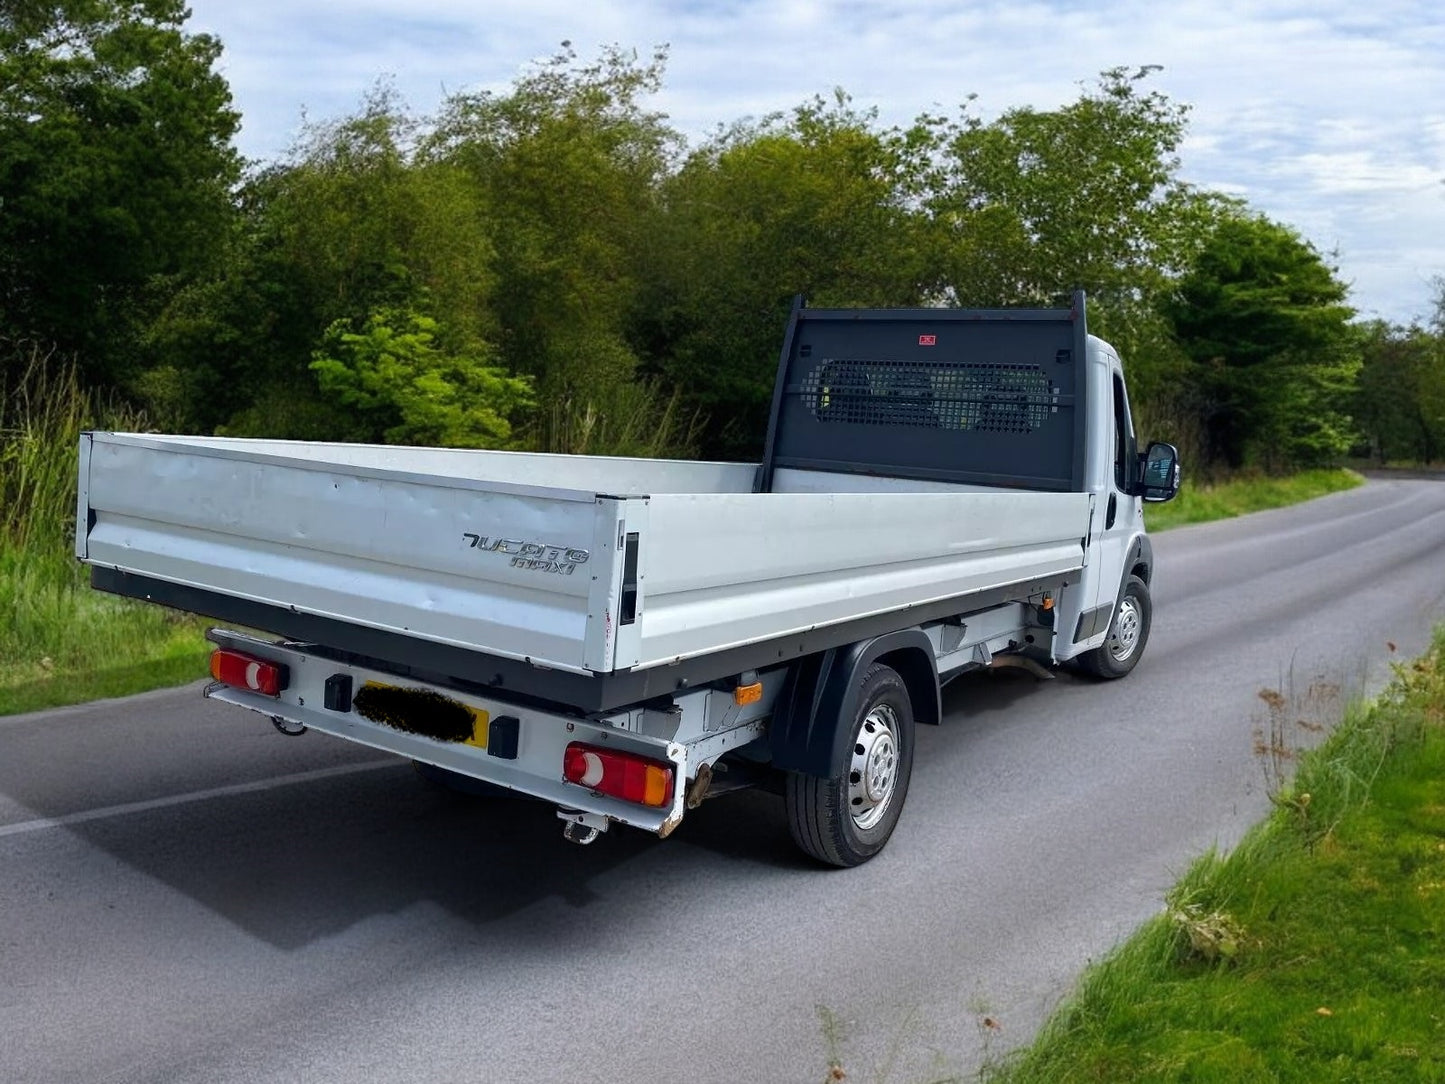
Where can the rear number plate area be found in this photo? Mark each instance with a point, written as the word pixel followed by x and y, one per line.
pixel 423 712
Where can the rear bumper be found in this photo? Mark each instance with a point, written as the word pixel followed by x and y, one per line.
pixel 541 736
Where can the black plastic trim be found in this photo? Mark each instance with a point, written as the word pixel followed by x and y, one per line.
pixel 449 665
pixel 1141 556
pixel 503 734
pixel 1141 553
pixel 811 721
pixel 627 605
pixel 1092 622
pixel 763 482
pixel 337 695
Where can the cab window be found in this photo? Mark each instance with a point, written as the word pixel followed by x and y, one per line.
pixel 1124 445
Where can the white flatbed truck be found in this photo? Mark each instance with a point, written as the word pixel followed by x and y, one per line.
pixel 942 490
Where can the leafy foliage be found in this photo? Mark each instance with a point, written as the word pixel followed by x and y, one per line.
pixel 1264 322
pixel 815 203
pixel 403 389
pixel 568 164
pixel 116 170
pixel 1400 399
pixel 347 227
pixel 1038 203
pixel 550 266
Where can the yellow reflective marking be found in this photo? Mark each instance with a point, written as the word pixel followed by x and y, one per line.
pixel 480 719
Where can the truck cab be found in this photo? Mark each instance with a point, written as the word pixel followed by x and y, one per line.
pixel 1107 619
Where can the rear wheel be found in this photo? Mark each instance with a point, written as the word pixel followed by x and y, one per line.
pixel 1128 633
pixel 846 820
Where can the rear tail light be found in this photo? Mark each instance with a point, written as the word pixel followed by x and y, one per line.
pixel 621 775
pixel 244 671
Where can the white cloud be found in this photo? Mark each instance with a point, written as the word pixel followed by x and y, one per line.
pixel 1328 116
pixel 1362 172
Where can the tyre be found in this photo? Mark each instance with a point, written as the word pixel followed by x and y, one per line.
pixel 846 820
pixel 1128 633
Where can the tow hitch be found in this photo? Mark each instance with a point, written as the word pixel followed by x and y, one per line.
pixel 581 828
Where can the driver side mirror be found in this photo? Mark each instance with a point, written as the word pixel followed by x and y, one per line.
pixel 1158 473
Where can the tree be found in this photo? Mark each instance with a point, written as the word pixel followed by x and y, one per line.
pixel 1038 203
pixel 1273 356
pixel 818 202
pixel 1400 402
pixel 404 389
pixel 568 163
pixel 116 171
pixel 349 225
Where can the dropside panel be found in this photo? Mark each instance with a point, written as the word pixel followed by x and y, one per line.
pixel 507 572
pixel 725 570
pixel 576 477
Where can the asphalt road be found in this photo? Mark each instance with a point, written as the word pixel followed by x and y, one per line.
pixel 188 896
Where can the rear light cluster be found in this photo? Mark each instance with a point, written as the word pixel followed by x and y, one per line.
pixel 243 671
pixel 621 775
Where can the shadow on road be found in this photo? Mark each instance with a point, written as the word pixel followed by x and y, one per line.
pixel 297 863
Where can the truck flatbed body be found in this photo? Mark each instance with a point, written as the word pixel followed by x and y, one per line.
pixel 474 552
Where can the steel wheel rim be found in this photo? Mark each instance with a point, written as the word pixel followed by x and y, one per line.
pixel 1125 637
pixel 873 772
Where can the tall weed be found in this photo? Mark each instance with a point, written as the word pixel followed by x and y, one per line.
pixel 626 418
pixel 43 409
pixel 57 637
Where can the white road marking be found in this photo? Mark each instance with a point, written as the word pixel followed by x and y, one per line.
pixel 127 808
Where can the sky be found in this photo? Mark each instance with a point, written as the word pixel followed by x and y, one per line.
pixel 1328 116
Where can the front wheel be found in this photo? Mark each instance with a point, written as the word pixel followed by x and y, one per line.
pixel 1128 633
pixel 847 819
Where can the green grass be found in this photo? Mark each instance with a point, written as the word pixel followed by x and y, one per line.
pixel 63 643
pixel 1205 501
pixel 60 641
pixel 1314 952
pixel 57 690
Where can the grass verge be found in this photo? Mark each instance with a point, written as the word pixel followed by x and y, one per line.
pixel 1314 952
pixel 1201 502
pixel 61 642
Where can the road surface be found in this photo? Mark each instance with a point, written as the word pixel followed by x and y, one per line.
pixel 189 896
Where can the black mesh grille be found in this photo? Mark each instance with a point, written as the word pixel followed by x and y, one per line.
pixel 977 396
pixel 980 397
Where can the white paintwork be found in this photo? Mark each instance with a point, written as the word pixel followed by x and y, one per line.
pixel 725 570
pixel 377 536
pixel 581 475
pixel 791 480
pixel 1099 580
pixel 700 731
pixel 1108 546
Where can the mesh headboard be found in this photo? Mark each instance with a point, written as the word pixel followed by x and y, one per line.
pixel 990 397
